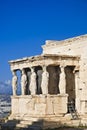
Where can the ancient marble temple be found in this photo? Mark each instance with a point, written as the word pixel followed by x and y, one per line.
pixel 51 81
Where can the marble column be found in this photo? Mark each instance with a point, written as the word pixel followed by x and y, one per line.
pixel 14 82
pixel 62 81
pixel 23 82
pixel 33 85
pixel 45 81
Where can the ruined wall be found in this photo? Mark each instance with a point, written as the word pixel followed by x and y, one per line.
pixel 73 46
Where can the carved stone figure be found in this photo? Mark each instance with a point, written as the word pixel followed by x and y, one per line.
pixel 14 83
pixel 62 81
pixel 33 86
pixel 45 80
pixel 23 82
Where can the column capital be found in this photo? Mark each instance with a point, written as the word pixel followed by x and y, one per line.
pixel 76 69
pixel 32 69
pixel 62 66
pixel 13 72
pixel 44 68
pixel 22 70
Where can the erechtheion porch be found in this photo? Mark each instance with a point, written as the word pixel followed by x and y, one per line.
pixel 48 82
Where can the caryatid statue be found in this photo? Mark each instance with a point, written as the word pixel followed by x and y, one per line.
pixel 14 83
pixel 33 86
pixel 23 82
pixel 62 81
pixel 45 81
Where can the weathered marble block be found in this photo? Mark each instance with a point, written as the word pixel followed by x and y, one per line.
pixel 39 105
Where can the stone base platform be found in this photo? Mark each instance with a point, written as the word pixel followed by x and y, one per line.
pixel 43 111
pixel 39 106
pixel 37 123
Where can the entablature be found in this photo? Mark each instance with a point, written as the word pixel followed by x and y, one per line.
pixel 47 59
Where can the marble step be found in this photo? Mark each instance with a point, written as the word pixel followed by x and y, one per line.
pixel 30 118
pixel 21 126
pixel 30 125
pixel 26 122
pixel 31 122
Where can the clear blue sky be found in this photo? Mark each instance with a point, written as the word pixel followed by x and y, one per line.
pixel 26 24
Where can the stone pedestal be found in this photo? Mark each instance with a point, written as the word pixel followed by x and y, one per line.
pixel 39 106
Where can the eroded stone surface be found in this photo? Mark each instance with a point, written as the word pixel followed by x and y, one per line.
pixel 40 105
